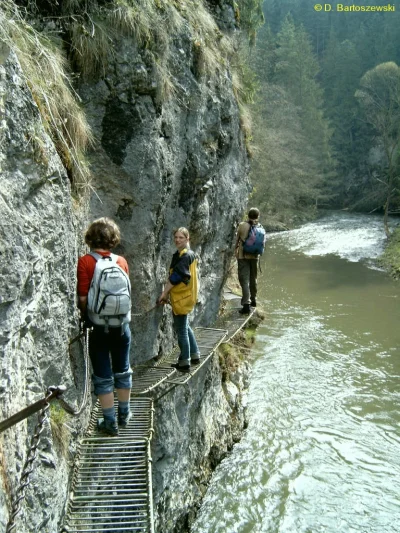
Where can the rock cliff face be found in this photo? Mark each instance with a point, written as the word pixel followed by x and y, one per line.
pixel 195 427
pixel 157 164
pixel 161 167
pixel 39 244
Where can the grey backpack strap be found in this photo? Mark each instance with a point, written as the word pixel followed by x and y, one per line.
pixel 95 255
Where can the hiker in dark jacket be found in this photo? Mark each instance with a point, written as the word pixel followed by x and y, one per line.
pixel 181 290
pixel 101 236
pixel 247 263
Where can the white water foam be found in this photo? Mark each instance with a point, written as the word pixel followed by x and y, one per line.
pixel 351 237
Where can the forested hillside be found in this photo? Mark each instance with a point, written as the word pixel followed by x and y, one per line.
pixel 327 116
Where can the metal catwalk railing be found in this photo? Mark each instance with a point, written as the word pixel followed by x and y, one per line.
pixel 149 376
pixel 111 485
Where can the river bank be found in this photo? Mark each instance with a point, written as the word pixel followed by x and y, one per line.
pixel 390 258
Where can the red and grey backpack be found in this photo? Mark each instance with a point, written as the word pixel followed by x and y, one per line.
pixel 109 297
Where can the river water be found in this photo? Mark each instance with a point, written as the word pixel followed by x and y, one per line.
pixel 321 453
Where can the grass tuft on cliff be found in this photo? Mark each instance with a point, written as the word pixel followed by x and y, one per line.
pixel 245 87
pixel 92 29
pixel 59 430
pixel 45 70
pixel 90 32
pixel 91 43
pixel 232 354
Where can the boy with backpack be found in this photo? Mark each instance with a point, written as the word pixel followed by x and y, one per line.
pixel 104 300
pixel 250 243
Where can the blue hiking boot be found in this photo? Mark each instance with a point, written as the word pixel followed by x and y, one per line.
pixel 124 417
pixel 107 426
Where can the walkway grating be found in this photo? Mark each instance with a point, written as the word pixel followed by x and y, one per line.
pixel 208 340
pixel 146 378
pixel 231 319
pixel 111 484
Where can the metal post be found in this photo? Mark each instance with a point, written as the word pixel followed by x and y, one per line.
pixel 55 393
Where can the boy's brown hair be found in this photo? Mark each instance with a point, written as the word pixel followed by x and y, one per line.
pixel 103 233
pixel 254 213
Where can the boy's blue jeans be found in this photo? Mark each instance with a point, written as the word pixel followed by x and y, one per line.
pixel 186 340
pixel 115 373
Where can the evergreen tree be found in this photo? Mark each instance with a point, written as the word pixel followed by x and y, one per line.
pixel 296 70
pixel 315 61
pixel 340 76
pixel 250 16
pixel 292 160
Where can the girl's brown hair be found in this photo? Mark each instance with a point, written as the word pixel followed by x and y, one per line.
pixel 103 233
pixel 182 230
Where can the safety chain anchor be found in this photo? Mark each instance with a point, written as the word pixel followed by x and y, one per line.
pixel 30 458
pixel 43 405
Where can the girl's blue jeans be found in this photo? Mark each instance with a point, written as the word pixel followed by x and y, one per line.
pixel 109 353
pixel 186 340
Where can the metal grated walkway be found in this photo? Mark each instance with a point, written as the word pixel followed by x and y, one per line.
pixel 231 319
pixel 208 340
pixel 111 484
pixel 146 378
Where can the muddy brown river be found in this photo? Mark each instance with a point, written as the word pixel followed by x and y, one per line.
pixel 321 453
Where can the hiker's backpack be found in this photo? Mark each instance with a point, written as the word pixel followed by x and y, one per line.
pixel 255 241
pixel 183 296
pixel 109 298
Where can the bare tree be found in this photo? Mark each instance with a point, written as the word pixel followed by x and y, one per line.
pixel 379 96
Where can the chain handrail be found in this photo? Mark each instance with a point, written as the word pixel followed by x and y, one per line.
pixel 28 466
pixel 56 393
pixel 63 403
pixel 44 404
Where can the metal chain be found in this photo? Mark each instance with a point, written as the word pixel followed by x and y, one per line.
pixel 146 312
pixel 43 415
pixel 65 405
pixel 28 466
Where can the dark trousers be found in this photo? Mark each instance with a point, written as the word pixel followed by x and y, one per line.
pixel 247 273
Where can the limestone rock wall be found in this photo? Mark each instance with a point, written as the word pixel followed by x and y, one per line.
pixel 158 167
pixel 195 427
pixel 39 243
